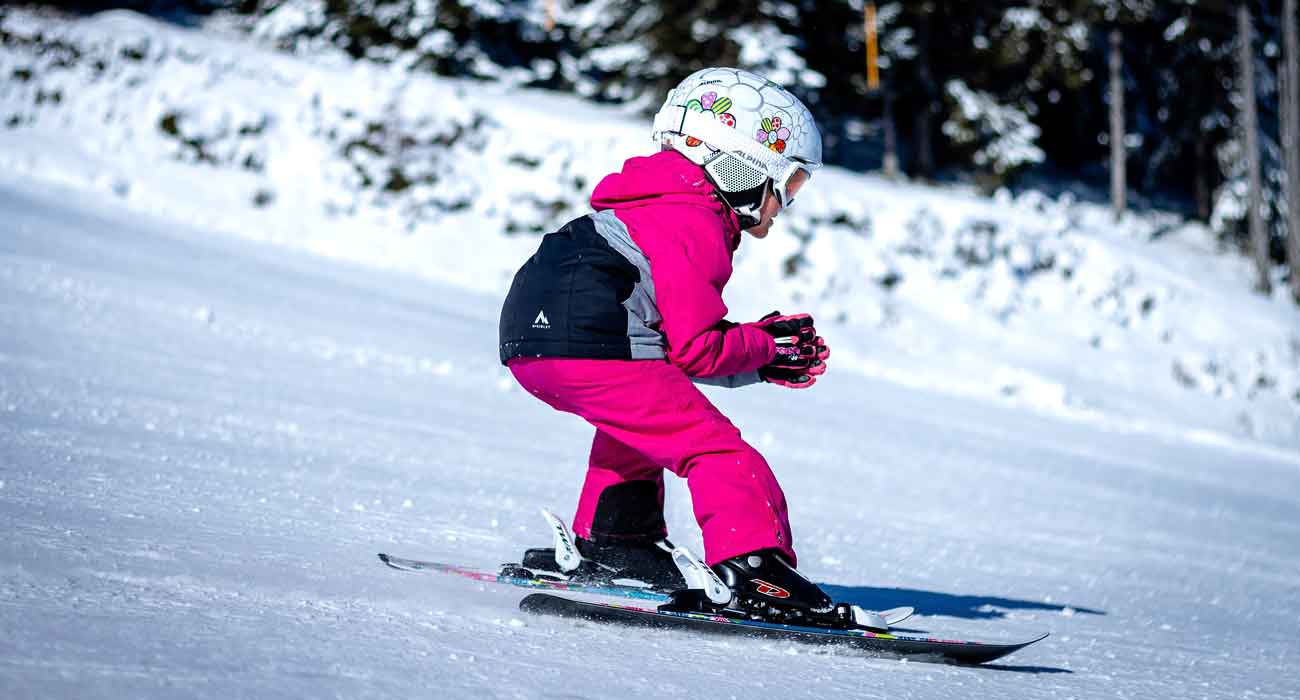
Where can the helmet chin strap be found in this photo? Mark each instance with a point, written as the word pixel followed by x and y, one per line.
pixel 748 204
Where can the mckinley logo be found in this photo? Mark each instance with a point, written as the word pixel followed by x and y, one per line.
pixel 541 321
pixel 770 589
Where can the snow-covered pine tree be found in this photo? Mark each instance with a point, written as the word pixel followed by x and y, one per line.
pixel 487 39
pixel 637 51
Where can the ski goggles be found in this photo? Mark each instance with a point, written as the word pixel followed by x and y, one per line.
pixel 781 187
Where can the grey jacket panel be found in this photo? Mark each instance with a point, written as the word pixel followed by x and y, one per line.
pixel 643 317
pixel 734 381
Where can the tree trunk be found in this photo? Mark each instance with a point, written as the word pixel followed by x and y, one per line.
pixel 891 135
pixel 1203 193
pixel 1118 158
pixel 925 115
pixel 1249 124
pixel 1290 146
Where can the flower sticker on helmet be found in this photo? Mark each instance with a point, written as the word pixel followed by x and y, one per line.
pixel 716 107
pixel 772 134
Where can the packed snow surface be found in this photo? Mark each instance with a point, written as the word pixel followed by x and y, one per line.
pixel 205 440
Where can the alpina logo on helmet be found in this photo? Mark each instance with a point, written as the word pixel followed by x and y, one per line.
pixel 751 160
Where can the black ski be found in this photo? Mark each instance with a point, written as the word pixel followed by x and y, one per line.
pixel 878 643
pixel 516 575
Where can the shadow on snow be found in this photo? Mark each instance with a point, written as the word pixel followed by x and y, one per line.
pixel 973 607
pixel 1025 669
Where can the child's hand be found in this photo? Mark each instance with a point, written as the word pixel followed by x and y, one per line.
pixel 800 353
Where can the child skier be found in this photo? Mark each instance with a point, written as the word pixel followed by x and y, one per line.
pixel 620 311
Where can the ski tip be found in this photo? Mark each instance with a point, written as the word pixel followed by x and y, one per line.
pixel 987 652
pixel 386 559
pixel 894 616
pixel 1022 645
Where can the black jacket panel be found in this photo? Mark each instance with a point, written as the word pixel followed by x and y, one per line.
pixel 568 299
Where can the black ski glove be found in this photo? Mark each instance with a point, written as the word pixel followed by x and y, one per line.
pixel 800 353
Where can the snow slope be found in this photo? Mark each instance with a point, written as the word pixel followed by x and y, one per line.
pixel 1035 420
pixel 204 441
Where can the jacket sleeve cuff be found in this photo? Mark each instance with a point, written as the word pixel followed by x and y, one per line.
pixel 760 338
pixel 734 381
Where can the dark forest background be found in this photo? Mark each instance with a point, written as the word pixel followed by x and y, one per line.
pixel 999 93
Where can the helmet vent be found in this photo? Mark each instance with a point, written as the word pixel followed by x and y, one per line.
pixel 731 174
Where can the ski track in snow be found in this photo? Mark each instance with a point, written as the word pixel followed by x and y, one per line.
pixel 204 441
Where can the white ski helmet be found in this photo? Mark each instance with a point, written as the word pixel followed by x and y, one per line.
pixel 745 130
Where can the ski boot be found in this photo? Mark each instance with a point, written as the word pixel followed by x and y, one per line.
pixel 643 561
pixel 649 563
pixel 763 586
pixel 764 583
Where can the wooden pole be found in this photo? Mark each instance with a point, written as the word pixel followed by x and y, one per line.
pixel 550 15
pixel 869 25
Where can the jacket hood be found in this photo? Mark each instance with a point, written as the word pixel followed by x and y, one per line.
pixel 666 177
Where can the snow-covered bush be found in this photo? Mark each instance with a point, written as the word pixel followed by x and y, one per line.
pixel 371 163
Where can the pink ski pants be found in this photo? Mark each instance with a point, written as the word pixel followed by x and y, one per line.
pixel 650 417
